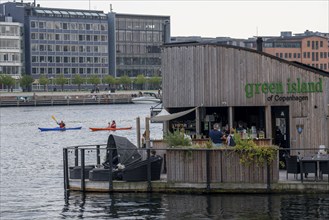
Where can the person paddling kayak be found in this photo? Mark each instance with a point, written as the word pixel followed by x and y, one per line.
pixel 61 124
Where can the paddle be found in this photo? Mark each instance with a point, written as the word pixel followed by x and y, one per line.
pixel 53 117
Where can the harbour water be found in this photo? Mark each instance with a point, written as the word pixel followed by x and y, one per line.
pixel 31 174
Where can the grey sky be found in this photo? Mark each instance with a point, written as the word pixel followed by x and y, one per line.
pixel 219 18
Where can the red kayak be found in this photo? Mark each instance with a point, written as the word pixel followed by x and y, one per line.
pixel 109 129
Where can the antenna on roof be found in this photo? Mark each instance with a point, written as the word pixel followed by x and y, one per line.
pixel 111 8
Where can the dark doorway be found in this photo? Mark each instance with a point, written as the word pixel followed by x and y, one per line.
pixel 280 129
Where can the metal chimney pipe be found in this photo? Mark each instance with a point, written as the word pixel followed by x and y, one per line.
pixel 259 43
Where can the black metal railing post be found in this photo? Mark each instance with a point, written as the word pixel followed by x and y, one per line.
pixel 268 168
pixel 208 169
pixel 149 184
pixel 98 156
pixel 83 183
pixel 110 170
pixel 76 156
pixel 65 169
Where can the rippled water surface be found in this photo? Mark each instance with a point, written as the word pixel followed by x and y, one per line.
pixel 31 178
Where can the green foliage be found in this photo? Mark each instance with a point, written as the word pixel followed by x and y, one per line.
pixel 61 80
pixel 250 153
pixel 108 79
pixel 125 80
pixel 43 80
pixel 94 79
pixel 26 81
pixel 155 81
pixel 140 80
pixel 177 139
pixel 78 80
pixel 7 80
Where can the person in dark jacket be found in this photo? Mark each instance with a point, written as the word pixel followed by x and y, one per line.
pixel 216 136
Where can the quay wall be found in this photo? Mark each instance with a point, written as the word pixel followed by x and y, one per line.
pixel 65 98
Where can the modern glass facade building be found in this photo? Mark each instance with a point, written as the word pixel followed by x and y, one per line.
pixel 89 42
pixel 11 61
pixel 62 41
pixel 10 47
pixel 138 39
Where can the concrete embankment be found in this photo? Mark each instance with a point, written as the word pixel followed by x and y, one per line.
pixel 64 98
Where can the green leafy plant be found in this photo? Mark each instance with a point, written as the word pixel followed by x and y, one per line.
pixel 250 153
pixel 176 138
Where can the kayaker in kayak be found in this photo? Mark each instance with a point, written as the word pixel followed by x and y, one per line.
pixel 61 124
pixel 113 124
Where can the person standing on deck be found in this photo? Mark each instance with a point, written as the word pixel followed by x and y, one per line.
pixel 216 136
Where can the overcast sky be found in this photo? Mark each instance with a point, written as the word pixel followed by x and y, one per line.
pixel 219 18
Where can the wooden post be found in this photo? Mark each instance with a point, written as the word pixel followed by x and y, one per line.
pixel 147 129
pixel 138 130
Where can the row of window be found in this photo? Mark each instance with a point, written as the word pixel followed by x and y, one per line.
pixel 315 44
pixel 10 57
pixel 306 55
pixel 10 44
pixel 61 59
pixel 136 49
pixel 282 44
pixel 69 25
pixel 7 30
pixel 139 24
pixel 11 70
pixel 69 48
pixel 89 70
pixel 139 36
pixel 138 61
pixel 136 72
pixel 322 66
pixel 69 37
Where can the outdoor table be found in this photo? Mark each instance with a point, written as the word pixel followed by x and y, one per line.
pixel 313 159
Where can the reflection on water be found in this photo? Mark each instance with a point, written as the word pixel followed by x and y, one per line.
pixel 172 206
pixel 31 174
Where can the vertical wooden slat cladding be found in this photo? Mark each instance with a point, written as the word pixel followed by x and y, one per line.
pixel 216 75
pixel 189 166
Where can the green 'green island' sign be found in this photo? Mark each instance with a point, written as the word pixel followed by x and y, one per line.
pixel 276 88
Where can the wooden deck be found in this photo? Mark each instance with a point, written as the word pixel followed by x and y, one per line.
pixel 284 185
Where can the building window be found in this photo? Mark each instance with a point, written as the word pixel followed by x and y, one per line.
pixel 33 24
pixel 313 45
pixel 277 54
pixel 309 55
pixel 50 47
pixel 285 55
pixel 289 55
pixel 308 43
pixel 295 55
pixel 298 55
pixel 321 55
pixel 304 55
pixel 321 66
pixel 325 66
pixel 313 56
pixel 321 43
pixel 317 56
